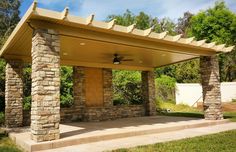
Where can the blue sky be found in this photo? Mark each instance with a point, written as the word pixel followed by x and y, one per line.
pixel 102 8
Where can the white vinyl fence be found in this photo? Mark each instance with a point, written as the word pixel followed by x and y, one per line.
pixel 191 93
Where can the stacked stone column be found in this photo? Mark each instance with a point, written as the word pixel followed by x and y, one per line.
pixel 107 86
pixel 211 87
pixel 45 110
pixel 78 92
pixel 14 94
pixel 148 92
pixel 79 86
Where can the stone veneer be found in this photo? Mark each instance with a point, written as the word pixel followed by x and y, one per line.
pixel 148 92
pixel 107 86
pixel 14 94
pixel 113 112
pixel 95 113
pixel 211 87
pixel 78 94
pixel 45 109
pixel 78 86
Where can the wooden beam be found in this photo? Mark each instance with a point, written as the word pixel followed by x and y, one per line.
pixel 135 41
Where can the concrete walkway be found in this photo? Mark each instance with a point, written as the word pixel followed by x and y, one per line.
pixel 145 139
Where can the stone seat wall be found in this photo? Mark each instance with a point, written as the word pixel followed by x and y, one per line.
pixel 94 113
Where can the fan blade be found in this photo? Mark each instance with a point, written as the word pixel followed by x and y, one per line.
pixel 127 60
pixel 121 58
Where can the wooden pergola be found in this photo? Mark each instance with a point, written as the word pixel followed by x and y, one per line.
pixel 49 39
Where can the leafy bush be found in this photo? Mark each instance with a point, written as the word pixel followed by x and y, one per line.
pixel 27 103
pixel 2 84
pixel 67 100
pixel 66 89
pixel 165 88
pixel 126 87
pixel 2 118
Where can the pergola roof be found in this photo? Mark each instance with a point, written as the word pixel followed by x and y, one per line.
pixel 86 42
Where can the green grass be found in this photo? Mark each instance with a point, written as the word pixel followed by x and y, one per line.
pixel 224 142
pixel 227 115
pixel 6 144
pixel 187 111
pixel 176 108
pixel 230 115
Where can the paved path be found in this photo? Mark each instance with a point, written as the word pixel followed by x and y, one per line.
pixel 145 139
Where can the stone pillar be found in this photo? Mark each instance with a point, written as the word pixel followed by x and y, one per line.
pixel 45 109
pixel 211 87
pixel 107 88
pixel 14 94
pixel 78 92
pixel 148 92
pixel 78 86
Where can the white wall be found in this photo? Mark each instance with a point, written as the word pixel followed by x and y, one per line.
pixel 191 93
pixel 228 91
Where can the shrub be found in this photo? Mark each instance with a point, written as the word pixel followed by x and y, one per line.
pixel 66 100
pixel 2 118
pixel 27 103
pixel 165 88
pixel 126 87
pixel 66 89
pixel 2 84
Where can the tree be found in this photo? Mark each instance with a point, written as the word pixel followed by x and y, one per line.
pixel 184 72
pixel 9 17
pixel 2 84
pixel 218 24
pixel 188 72
pixel 66 88
pixel 183 24
pixel 127 87
pixel 126 19
pixel 143 21
pixel 166 24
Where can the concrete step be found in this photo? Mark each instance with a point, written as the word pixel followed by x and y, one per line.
pixel 73 135
pixel 134 141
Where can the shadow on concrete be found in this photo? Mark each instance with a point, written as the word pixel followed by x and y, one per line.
pixel 86 127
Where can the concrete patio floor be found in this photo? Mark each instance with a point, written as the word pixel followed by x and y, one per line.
pixel 89 132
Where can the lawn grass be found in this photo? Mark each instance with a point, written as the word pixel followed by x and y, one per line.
pixel 176 108
pixel 182 110
pixel 227 115
pixel 6 144
pixel 225 141
pixel 230 115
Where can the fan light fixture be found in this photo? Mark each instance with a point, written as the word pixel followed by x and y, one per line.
pixel 116 61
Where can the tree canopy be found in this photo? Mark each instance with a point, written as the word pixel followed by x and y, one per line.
pixel 144 21
pixel 217 24
pixel 214 24
pixel 9 17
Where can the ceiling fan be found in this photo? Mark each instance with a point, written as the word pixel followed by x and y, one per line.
pixel 118 59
